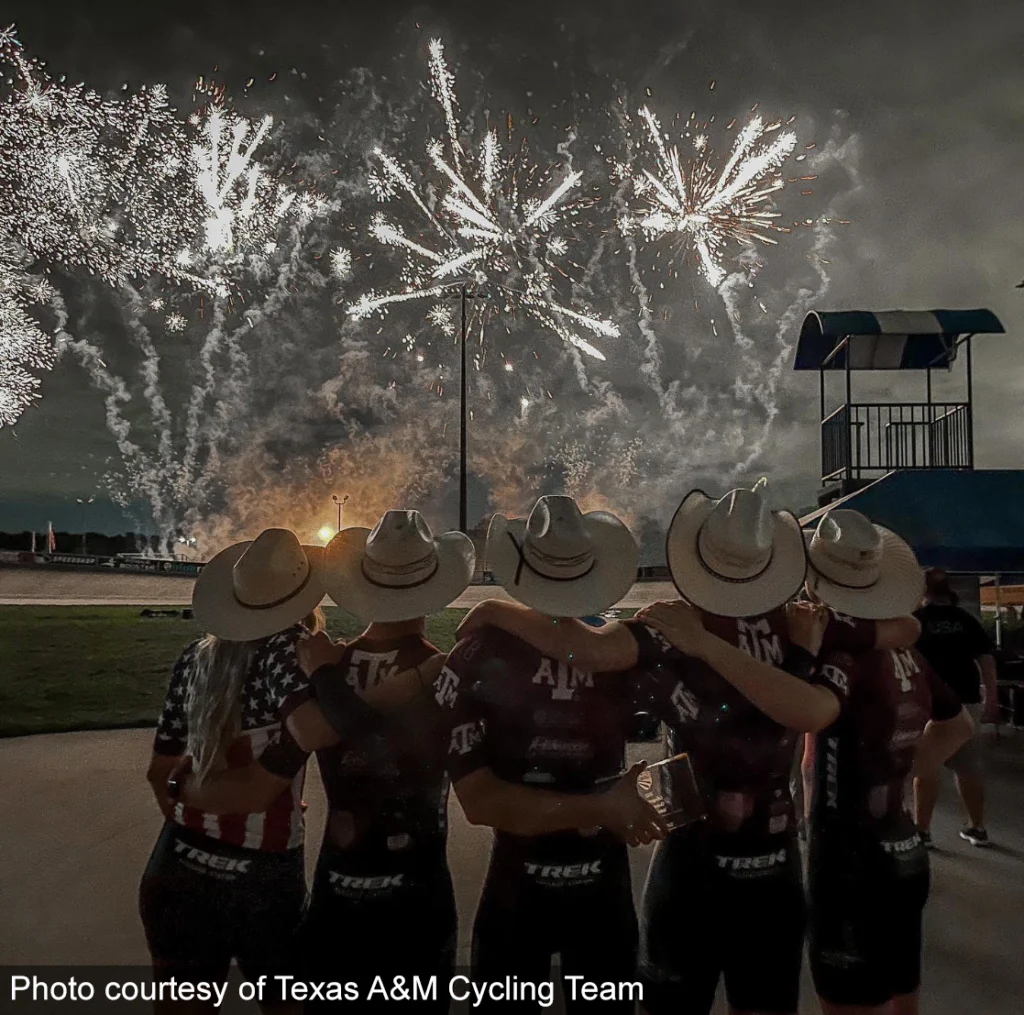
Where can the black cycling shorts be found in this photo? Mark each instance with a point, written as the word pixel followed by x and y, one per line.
pixel 565 895
pixel 714 909
pixel 866 903
pixel 376 914
pixel 204 903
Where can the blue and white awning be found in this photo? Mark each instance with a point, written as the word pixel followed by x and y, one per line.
pixel 888 339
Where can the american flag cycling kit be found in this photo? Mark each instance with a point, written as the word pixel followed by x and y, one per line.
pixel 232 886
pixel 724 898
pixel 540 723
pixel 383 867
pixel 868 868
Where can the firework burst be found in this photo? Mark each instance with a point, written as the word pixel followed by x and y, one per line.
pixel 489 221
pixel 691 200
pixel 125 190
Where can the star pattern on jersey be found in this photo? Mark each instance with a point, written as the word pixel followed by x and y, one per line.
pixel 276 675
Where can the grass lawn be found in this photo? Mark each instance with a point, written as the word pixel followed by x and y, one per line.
pixel 101 667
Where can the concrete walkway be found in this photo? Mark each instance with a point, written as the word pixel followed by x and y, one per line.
pixel 78 823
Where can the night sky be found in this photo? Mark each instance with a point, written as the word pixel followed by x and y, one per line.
pixel 921 102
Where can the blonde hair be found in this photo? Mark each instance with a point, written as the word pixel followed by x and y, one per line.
pixel 213 702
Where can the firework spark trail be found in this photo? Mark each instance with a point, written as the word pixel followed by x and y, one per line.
pixel 126 190
pixel 706 209
pixel 491 237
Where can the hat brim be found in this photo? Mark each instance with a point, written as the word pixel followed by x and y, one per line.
pixel 350 589
pixel 219 613
pixel 614 573
pixel 779 582
pixel 897 593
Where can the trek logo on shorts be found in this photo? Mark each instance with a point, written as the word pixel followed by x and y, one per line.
pixel 902 846
pixel 446 688
pixel 564 874
pixel 211 860
pixel 348 882
pixel 563 680
pixel 747 866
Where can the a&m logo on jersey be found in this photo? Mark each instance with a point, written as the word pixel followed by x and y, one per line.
pixel 904 666
pixel 835 676
pixel 563 679
pixel 758 641
pixel 685 703
pixel 368 669
pixel 446 688
pixel 465 737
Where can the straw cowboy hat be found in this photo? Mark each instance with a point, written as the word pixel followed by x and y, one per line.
pixel 560 561
pixel 399 570
pixel 734 556
pixel 258 587
pixel 863 569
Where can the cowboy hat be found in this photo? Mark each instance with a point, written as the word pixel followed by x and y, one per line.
pixel 397 571
pixel 258 587
pixel 862 569
pixel 560 561
pixel 734 556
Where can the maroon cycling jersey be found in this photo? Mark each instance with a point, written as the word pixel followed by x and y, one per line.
pixel 390 780
pixel 535 721
pixel 863 759
pixel 741 758
pixel 273 687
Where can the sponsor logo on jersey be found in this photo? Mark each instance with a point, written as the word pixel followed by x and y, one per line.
pixel 564 680
pixel 465 737
pixel 212 860
pixel 446 688
pixel 552 747
pixel 376 884
pixel 563 872
pixel 758 641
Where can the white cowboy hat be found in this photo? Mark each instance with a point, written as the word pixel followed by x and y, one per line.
pixel 560 561
pixel 397 571
pixel 734 556
pixel 863 569
pixel 258 587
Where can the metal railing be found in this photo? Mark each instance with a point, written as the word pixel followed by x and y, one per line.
pixel 864 438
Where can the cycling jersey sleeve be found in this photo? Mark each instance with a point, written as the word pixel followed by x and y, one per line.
pixel 287 686
pixel 283 756
pixel 848 634
pixel 945 703
pixel 651 645
pixel 837 672
pixel 455 692
pixel 171 730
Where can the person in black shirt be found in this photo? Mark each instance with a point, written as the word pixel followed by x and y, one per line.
pixel 958 649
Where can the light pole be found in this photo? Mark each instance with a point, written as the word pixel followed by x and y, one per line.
pixel 85 522
pixel 340 501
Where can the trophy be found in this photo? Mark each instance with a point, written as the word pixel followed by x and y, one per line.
pixel 670 788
